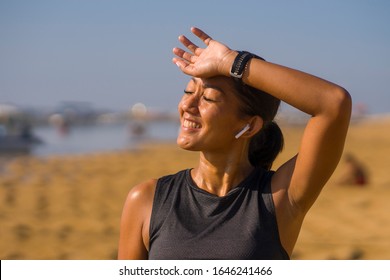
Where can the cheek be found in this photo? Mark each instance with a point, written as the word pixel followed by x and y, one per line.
pixel 219 125
pixel 222 117
pixel 180 106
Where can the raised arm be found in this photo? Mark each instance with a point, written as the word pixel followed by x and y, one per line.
pixel 301 178
pixel 324 136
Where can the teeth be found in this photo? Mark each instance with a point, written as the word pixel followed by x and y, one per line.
pixel 190 124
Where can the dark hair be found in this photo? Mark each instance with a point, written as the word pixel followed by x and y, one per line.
pixel 268 142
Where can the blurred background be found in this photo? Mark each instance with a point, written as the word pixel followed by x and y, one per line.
pixel 84 85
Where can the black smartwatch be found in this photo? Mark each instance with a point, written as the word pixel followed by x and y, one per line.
pixel 239 64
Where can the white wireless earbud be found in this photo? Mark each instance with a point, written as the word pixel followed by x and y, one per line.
pixel 238 135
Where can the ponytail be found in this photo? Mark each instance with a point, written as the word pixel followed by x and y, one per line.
pixel 266 145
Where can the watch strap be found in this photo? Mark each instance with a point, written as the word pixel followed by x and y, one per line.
pixel 240 63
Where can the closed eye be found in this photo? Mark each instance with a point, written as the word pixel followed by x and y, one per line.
pixel 204 97
pixel 208 99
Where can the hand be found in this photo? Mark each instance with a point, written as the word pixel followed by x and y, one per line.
pixel 213 60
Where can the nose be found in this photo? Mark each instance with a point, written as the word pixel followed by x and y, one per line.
pixel 189 103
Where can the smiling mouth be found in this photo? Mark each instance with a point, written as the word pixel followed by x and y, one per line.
pixel 190 124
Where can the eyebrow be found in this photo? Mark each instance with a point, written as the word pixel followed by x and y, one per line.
pixel 205 85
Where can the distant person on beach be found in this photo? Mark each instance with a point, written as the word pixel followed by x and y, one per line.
pixel 231 205
pixel 353 173
pixel 137 130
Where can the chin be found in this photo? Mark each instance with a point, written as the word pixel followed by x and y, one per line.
pixel 186 144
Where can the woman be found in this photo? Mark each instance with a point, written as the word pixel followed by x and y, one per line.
pixel 231 206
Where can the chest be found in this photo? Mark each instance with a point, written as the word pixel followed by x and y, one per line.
pixel 238 227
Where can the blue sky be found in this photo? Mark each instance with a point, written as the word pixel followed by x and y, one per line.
pixel 116 53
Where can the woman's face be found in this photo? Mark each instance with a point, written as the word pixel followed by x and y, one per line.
pixel 209 115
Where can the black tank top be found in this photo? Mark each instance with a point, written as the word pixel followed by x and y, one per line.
pixel 189 223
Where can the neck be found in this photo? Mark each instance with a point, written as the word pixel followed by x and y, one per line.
pixel 218 173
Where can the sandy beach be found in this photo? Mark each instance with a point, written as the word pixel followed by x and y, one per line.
pixel 69 207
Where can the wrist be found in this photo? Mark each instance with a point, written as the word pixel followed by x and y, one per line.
pixel 227 62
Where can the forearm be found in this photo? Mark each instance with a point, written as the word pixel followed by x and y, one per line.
pixel 303 91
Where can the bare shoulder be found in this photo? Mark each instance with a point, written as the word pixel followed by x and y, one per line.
pixel 134 229
pixel 142 194
pixel 138 205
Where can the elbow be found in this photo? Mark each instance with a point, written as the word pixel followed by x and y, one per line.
pixel 341 104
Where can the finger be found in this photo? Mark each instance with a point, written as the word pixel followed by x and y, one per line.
pixel 179 62
pixel 202 35
pixel 183 54
pixel 188 44
pixel 183 66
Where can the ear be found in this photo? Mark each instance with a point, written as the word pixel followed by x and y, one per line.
pixel 256 124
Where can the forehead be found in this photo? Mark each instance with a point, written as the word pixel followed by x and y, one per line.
pixel 220 83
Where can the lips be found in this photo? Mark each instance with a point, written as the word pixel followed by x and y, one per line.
pixel 191 124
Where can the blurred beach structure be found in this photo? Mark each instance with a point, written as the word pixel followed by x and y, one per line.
pixel 63 198
pixel 78 127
